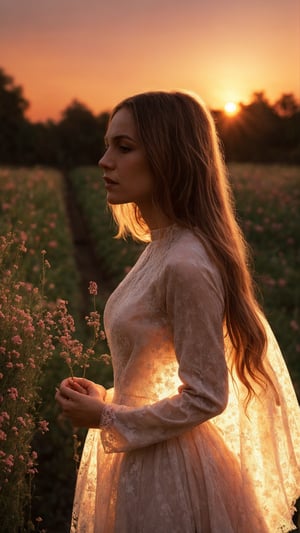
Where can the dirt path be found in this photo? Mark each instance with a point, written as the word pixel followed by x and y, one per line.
pixel 88 265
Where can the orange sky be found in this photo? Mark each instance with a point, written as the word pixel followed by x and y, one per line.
pixel 100 51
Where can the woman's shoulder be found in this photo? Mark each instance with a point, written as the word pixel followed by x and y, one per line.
pixel 187 256
pixel 186 247
pixel 188 269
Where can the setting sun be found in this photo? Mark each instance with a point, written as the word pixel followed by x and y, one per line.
pixel 230 108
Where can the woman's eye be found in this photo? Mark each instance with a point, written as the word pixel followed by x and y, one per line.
pixel 124 148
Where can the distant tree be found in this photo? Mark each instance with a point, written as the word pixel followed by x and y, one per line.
pixel 260 132
pixel 13 124
pixel 286 105
pixel 259 97
pixel 288 109
pixel 41 145
pixel 80 135
pixel 254 134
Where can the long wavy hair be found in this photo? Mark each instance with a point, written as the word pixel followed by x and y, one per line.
pixel 191 188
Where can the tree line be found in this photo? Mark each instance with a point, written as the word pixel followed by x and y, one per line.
pixel 259 132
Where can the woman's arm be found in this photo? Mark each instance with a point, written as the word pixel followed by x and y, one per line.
pixel 194 305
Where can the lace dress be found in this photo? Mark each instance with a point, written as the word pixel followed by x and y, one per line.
pixel 175 451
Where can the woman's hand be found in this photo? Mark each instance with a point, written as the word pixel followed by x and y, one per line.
pixel 81 401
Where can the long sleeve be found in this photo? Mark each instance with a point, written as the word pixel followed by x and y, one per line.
pixel 194 310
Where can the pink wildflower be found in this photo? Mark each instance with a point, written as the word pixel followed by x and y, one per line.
pixel 93 288
pixel 23 399
pixel 43 425
pixel 281 282
pixel 22 421
pixel 23 248
pixel 9 461
pixel 2 435
pixel 4 416
pixel 13 393
pixel 17 339
pixel 93 319
pixel 29 330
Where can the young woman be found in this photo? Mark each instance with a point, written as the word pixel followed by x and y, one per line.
pixel 201 431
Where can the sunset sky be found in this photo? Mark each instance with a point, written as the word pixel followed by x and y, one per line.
pixel 101 51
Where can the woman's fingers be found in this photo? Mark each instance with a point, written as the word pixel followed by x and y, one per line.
pixel 77 387
pixel 69 392
pixel 91 388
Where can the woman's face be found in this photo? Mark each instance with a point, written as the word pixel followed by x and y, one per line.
pixel 126 172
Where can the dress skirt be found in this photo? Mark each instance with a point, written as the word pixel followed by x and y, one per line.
pixel 190 484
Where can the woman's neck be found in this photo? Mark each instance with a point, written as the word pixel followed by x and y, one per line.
pixel 155 219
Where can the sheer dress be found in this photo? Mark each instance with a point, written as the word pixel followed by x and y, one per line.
pixel 176 451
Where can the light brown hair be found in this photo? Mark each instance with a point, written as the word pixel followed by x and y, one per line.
pixel 191 188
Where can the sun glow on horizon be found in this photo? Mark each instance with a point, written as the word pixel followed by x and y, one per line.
pixel 231 108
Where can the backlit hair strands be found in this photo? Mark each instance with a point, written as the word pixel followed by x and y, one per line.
pixel 191 188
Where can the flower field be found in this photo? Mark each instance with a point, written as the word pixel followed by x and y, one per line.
pixel 268 206
pixel 37 338
pixel 32 206
pixel 38 267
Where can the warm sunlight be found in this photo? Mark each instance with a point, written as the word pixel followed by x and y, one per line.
pixel 231 108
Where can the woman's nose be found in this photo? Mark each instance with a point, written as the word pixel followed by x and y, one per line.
pixel 105 161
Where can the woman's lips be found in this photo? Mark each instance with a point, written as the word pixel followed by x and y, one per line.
pixel 109 181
